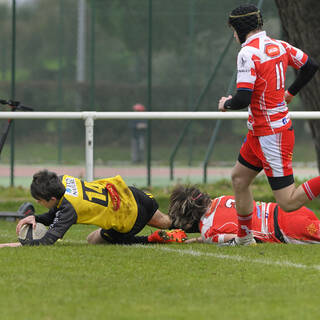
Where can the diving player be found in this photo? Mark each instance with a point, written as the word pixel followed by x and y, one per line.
pixel 119 211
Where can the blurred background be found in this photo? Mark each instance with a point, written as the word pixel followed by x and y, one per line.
pixel 111 55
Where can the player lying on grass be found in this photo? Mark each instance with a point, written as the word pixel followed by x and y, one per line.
pixel 120 211
pixel 217 220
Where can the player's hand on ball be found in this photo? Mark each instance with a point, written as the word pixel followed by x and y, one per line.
pixel 221 103
pixel 28 233
pixel 26 220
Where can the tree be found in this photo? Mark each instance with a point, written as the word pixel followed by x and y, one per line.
pixel 301 28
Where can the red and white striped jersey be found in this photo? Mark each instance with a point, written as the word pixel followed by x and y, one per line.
pixel 221 218
pixel 261 68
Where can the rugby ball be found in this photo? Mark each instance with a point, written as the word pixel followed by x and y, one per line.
pixel 27 233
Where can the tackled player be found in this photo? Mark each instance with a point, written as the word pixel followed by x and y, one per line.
pixel 216 219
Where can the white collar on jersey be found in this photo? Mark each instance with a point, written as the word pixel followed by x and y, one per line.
pixel 254 36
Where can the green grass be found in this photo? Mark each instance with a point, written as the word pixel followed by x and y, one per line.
pixel 74 280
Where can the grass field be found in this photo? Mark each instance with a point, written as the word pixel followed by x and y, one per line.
pixel 73 280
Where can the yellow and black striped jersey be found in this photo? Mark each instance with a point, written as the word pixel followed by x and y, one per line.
pixel 107 203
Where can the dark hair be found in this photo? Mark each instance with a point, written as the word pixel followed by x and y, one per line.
pixel 244 19
pixel 45 185
pixel 187 206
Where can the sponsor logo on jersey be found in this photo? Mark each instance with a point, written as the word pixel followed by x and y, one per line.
pixel 272 50
pixel 55 220
pixel 244 70
pixel 243 61
pixel 71 187
pixel 258 211
pixel 114 196
pixel 285 120
pixel 312 229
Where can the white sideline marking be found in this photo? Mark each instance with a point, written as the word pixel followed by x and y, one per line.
pixel 192 252
pixel 234 257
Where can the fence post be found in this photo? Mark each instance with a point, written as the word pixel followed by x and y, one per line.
pixel 89 124
pixel 13 90
pixel 149 108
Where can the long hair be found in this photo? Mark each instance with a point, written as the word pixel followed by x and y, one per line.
pixel 187 206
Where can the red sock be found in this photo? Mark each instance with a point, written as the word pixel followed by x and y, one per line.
pixel 312 188
pixel 244 225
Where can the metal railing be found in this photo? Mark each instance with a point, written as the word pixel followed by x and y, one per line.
pixel 90 116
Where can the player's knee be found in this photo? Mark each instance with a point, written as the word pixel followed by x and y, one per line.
pixel 238 182
pixel 289 199
pixel 90 238
pixel 94 237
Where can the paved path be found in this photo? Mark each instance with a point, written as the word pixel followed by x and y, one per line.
pixel 160 176
pixel 24 171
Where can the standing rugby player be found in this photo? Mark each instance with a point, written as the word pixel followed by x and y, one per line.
pixel 262 64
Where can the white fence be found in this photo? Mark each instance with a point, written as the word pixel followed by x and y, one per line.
pixel 90 116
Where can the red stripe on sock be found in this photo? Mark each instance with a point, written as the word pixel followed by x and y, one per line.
pixel 305 187
pixel 312 187
pixel 244 224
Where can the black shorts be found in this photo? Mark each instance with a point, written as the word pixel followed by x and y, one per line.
pixel 147 206
pixel 276 183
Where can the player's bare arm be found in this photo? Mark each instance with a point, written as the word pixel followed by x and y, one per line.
pixel 194 240
pixel 11 245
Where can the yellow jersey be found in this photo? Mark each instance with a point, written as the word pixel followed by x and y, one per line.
pixel 107 203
